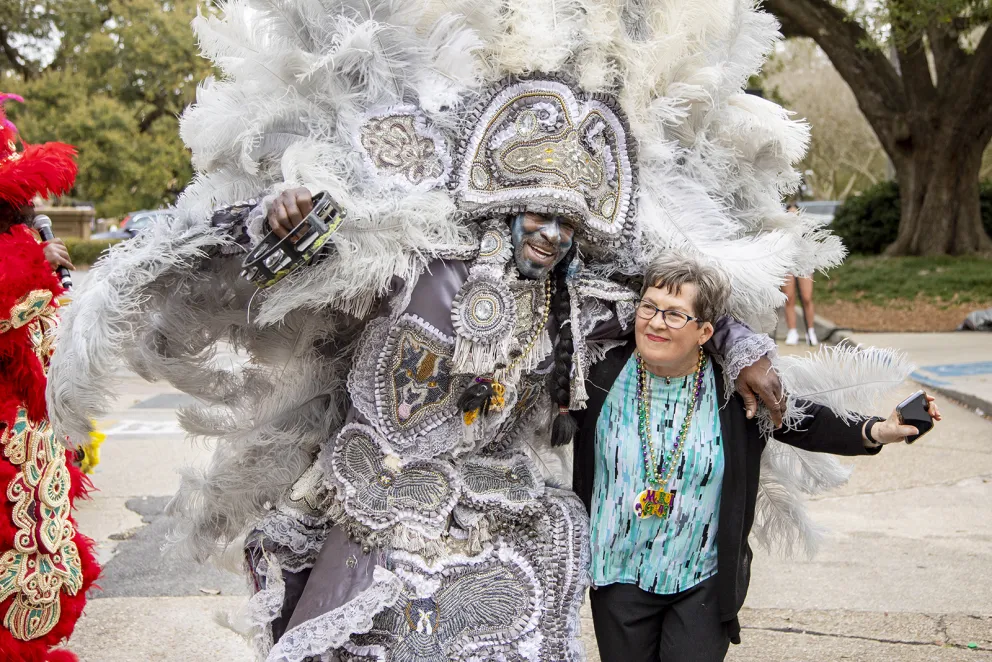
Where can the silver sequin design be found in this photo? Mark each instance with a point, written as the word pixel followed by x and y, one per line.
pixel 378 493
pixel 480 609
pixel 517 600
pixel 399 145
pixel 511 482
pixel 484 309
pixel 495 244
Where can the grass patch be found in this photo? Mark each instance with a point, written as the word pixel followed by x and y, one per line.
pixel 887 280
pixel 84 252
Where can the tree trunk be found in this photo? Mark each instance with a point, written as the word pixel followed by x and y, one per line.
pixel 938 191
pixel 933 124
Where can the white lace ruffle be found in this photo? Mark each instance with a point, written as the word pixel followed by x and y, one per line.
pixel 266 604
pixel 743 353
pixel 320 635
pixel 256 226
pixel 292 534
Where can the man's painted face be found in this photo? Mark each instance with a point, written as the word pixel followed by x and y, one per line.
pixel 539 243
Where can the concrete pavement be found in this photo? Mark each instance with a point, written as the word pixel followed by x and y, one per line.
pixel 905 572
pixel 151 607
pixel 957 364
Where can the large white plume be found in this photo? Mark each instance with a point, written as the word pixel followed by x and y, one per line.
pixel 298 79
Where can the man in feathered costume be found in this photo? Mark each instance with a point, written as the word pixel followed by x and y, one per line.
pixel 46 567
pixel 392 455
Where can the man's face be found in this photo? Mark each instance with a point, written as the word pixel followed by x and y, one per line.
pixel 539 243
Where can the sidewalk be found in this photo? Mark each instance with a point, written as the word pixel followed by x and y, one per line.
pixel 957 365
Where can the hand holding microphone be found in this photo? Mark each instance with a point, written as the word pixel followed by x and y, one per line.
pixel 55 250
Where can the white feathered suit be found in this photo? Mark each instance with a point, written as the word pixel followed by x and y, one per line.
pixel 378 522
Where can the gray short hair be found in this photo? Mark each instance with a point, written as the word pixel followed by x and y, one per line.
pixel 672 271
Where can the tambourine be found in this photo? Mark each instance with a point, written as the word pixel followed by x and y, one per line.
pixel 274 258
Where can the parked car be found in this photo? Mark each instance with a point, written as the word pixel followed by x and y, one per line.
pixel 135 222
pixel 821 210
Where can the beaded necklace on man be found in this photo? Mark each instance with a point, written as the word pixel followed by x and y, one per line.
pixel 655 501
pixel 497 399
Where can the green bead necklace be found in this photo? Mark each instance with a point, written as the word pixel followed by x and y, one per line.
pixel 655 501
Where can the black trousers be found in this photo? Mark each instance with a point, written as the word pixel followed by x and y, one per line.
pixel 633 625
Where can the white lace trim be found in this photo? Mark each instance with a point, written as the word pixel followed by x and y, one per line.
pixel 320 635
pixel 743 353
pixel 255 226
pixel 288 532
pixel 266 605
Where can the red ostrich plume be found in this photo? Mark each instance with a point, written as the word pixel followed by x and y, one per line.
pixel 48 169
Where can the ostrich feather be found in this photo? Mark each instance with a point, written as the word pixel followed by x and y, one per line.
pixel 453 69
pixel 849 380
pixel 539 35
pixel 781 519
pixel 298 79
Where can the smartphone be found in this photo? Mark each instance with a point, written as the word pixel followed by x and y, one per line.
pixel 914 411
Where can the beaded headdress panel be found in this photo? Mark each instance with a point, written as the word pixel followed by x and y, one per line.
pixel 540 145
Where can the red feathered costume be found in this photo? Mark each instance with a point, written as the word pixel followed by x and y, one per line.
pixel 46 567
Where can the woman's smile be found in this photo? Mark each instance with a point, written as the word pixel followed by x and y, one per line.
pixel 654 338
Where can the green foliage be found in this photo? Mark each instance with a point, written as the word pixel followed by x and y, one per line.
pixel 911 19
pixel 882 280
pixel 121 74
pixel 869 221
pixel 84 252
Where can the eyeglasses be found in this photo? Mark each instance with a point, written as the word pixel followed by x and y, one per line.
pixel 674 319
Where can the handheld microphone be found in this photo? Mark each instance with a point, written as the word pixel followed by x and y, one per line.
pixel 43 225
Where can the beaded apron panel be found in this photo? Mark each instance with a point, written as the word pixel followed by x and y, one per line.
pixel 403 383
pixel 517 600
pixel 380 490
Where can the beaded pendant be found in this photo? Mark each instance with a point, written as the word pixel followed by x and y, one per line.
pixel 655 501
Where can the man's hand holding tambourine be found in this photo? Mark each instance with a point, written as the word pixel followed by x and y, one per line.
pixel 288 210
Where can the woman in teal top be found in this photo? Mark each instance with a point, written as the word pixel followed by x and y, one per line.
pixel 659 554
pixel 669 469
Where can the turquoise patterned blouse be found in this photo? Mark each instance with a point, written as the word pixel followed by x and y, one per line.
pixel 672 554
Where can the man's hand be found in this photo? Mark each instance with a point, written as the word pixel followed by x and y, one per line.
pixel 57 254
pixel 288 210
pixel 759 378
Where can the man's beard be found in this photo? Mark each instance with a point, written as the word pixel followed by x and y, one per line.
pixel 527 266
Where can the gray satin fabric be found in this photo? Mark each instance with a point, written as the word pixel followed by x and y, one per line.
pixel 332 582
pixel 294 582
pixel 434 294
pixel 726 332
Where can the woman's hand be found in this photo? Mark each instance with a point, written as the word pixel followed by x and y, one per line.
pixel 57 254
pixel 891 431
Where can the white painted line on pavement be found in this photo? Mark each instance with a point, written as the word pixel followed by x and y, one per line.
pixel 144 427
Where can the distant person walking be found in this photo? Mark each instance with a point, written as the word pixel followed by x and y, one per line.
pixel 806 296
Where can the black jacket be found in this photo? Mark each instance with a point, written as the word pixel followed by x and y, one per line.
pixel 822 431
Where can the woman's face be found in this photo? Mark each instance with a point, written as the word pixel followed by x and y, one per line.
pixel 662 345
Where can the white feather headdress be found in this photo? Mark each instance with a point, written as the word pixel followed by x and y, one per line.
pixel 299 80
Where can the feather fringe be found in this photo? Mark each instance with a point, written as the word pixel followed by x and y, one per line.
pixel 296 79
pixel 849 380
